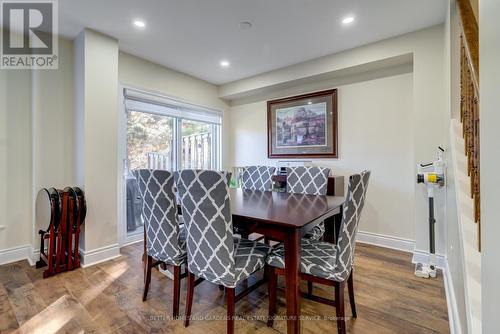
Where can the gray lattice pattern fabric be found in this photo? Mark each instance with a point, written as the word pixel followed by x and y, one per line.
pixel 317 258
pixel 353 206
pixel 257 178
pixel 213 252
pixel 309 180
pixel 159 210
pixel 249 256
pixel 326 260
pixel 316 232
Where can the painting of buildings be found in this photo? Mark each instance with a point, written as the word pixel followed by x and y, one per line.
pixel 301 126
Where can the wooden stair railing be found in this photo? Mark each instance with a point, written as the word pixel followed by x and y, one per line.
pixel 469 103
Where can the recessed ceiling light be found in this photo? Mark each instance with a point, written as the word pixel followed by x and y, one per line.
pixel 224 63
pixel 245 25
pixel 309 102
pixel 348 19
pixel 139 24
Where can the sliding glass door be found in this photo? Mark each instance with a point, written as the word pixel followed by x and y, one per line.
pixel 164 135
pixel 150 144
pixel 198 145
pixel 150 141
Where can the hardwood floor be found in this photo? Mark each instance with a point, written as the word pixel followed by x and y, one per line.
pixel 107 298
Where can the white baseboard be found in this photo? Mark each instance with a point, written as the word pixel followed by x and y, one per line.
pixel 408 245
pixel 15 254
pixel 134 239
pixel 35 256
pixel 102 254
pixel 386 241
pixel 451 301
pixel 420 256
pixel 95 256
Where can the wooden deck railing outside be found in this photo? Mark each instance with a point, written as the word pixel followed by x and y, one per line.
pixel 196 153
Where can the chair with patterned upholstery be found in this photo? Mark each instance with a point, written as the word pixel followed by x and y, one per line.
pixel 326 263
pixel 309 180
pixel 257 178
pixel 213 253
pixel 165 240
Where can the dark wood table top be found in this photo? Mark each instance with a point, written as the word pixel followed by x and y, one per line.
pixel 282 209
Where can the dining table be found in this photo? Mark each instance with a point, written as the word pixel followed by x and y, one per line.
pixel 284 217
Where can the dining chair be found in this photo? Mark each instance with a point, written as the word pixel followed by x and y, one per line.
pixel 257 178
pixel 309 180
pixel 324 262
pixel 213 253
pixel 165 239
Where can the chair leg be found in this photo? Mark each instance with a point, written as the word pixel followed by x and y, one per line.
pixel 147 276
pixel 189 299
pixel 350 286
pixel 230 310
pixel 339 307
pixel 272 286
pixel 177 291
pixel 309 288
pixel 144 252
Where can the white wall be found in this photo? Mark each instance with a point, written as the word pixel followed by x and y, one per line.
pixel 142 74
pixel 428 115
pixel 454 247
pixel 421 92
pixel 375 133
pixel 489 32
pixel 53 126
pixel 147 76
pixel 66 120
pixel 96 64
pixel 15 159
pixel 36 135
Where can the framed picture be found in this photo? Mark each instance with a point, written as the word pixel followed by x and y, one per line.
pixel 303 126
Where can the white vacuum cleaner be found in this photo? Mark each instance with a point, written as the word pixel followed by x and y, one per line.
pixel 433 176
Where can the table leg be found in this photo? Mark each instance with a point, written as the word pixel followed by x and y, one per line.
pixel 338 223
pixel 292 281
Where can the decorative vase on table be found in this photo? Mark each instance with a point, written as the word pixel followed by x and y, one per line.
pixel 235 182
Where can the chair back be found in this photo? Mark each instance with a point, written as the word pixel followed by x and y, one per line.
pixel 307 180
pixel 355 200
pixel 159 211
pixel 257 177
pixel 204 196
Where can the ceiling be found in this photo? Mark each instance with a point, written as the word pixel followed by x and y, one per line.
pixel 193 36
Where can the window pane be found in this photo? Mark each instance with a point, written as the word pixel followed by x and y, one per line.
pixel 197 145
pixel 149 145
pixel 150 141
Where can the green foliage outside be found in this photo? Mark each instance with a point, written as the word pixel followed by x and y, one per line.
pixel 148 133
